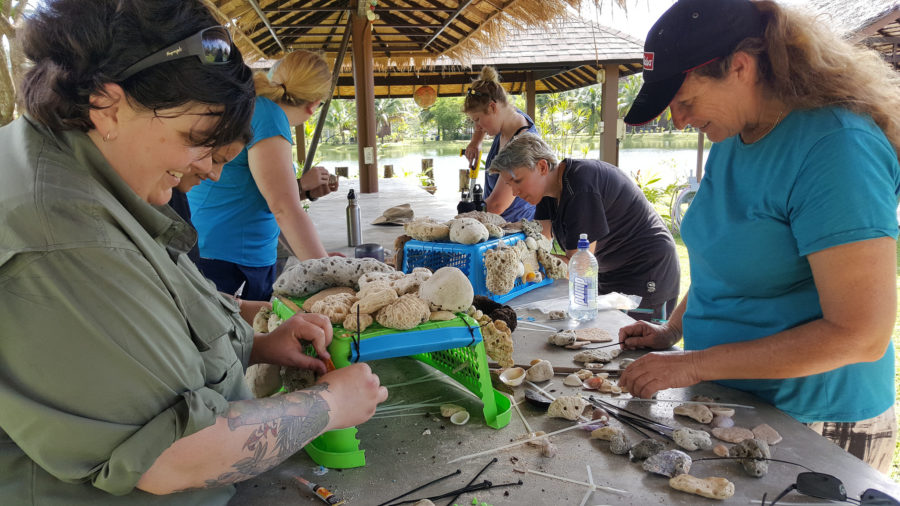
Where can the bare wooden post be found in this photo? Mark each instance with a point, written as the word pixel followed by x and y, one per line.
pixel 428 168
pixel 364 86
pixel 530 88
pixel 610 115
pixel 388 171
pixel 463 179
pixel 342 171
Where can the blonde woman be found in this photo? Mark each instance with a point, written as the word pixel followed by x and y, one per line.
pixel 792 234
pixel 487 106
pixel 239 217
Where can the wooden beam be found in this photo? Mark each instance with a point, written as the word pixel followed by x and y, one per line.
pixel 225 20
pixel 265 20
pixel 363 66
pixel 609 107
pixel 530 102
pixel 462 6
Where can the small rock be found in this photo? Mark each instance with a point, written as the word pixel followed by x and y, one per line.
pixel 713 488
pixel 767 434
pixel 537 399
pixel 558 315
pixel 616 437
pixel 572 380
pixel 423 502
pixel 691 439
pixel 722 422
pixel 716 410
pixel 752 452
pixel 669 463
pixel 563 338
pixel 721 450
pixel 426 432
pixel 541 371
pixel 645 448
pixel 698 412
pixel 732 434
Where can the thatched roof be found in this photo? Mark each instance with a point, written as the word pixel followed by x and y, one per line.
pixel 875 23
pixel 408 33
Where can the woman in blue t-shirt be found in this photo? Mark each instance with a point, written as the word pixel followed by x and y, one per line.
pixel 487 106
pixel 239 217
pixel 792 234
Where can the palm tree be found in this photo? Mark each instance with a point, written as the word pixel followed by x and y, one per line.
pixel 386 111
pixel 589 104
pixel 341 117
pixel 628 92
pixel 12 65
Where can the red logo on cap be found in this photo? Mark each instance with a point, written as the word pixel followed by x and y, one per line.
pixel 648 61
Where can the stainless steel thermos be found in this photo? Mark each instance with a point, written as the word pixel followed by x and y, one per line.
pixel 354 236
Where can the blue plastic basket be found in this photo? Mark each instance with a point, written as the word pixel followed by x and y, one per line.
pixel 467 258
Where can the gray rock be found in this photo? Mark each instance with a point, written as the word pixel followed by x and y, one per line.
pixel 646 448
pixel 669 463
pixel 691 439
pixel 751 452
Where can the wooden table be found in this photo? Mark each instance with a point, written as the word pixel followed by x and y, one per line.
pixel 404 452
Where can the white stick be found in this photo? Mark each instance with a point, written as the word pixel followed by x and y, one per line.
pixel 541 325
pixel 517 443
pixel 421 413
pixel 635 399
pixel 605 489
pixel 587 494
pixel 519 411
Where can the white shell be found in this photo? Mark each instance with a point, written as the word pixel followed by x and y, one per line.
pixel 572 380
pixel 514 376
pixel 459 418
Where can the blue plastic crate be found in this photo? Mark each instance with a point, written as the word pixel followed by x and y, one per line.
pixel 467 258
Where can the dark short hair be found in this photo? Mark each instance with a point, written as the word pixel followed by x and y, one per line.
pixel 77 47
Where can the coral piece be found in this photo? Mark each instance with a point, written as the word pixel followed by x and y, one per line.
pixel 645 449
pixel 720 450
pixel 423 502
pixel 572 380
pixel 484 217
pixel 494 232
pixel 553 266
pixel 485 304
pixel 698 412
pixel 767 434
pixel 691 439
pixel 273 322
pixel 507 315
pixel 616 437
pixel 753 454
pixel 427 229
pixel 532 229
pixel 373 286
pixel 261 320
pixel 625 362
pixel 372 277
pixel 669 463
pixel 442 316
pixel 584 374
pixel 562 338
pixel 411 282
pixel 500 266
pixel 498 342
pixel 467 231
pixel 295 378
pixel 716 410
pixel 541 371
pixel 404 313
pixel 722 422
pixel 374 300
pixel 336 307
pixel 263 379
pixel 558 315
pixel 713 488
pixel 593 335
pixel 530 243
pixel 308 303
pixel 567 406
pixel 606 355
pixel 732 434
pixel 311 276
pixel 350 321
pixel 399 243
pixel 447 289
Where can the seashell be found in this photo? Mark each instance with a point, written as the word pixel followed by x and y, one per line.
pixel 589 356
pixel 691 439
pixel 767 434
pixel 616 437
pixel 548 449
pixel 753 454
pixel 599 414
pixel 732 434
pixel 722 422
pixel 698 412
pixel 537 399
pixel 572 380
pixel 563 338
pixel 558 315
pixel 535 361
pixel 459 418
pixel 713 488
pixel 584 374
pixel 716 410
pixel 720 450
pixel 669 463
pixel 594 383
pixel 541 371
pixel 514 376
pixel 567 406
pixel 448 409
pixel 645 448
pixel 625 362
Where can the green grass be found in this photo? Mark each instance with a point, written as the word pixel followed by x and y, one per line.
pixel 686 281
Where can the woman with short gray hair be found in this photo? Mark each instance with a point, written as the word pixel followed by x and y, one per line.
pixel 634 249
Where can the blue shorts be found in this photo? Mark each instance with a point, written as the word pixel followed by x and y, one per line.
pixel 229 276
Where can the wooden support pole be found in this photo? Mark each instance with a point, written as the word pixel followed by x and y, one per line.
pixel 610 113
pixel 364 80
pixel 530 88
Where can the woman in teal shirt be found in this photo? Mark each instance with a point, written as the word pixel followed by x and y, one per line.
pixel 792 234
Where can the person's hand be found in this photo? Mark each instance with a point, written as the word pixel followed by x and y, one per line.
pixel 316 182
pixel 286 344
pixel 472 152
pixel 658 371
pixel 641 334
pixel 353 393
pixel 336 254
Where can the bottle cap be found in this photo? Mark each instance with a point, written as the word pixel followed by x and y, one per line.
pixel 582 241
pixel 351 195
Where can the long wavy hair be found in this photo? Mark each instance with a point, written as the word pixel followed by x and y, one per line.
pixel 299 78
pixel 808 66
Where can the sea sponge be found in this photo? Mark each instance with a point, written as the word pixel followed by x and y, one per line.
pixel 553 266
pixel 498 342
pixel 411 282
pixel 467 231
pixel 311 276
pixel 427 229
pixel 336 307
pixel 374 300
pixel 500 264
pixel 447 289
pixel 567 406
pixel 404 313
pixel 308 303
pixel 350 320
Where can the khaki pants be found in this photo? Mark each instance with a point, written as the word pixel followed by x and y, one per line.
pixel 872 441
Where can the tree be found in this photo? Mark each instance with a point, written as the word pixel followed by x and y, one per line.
pixel 12 63
pixel 628 92
pixel 387 111
pixel 447 116
pixel 341 118
pixel 589 101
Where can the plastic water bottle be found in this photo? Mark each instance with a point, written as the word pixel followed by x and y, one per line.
pixel 583 282
pixel 353 232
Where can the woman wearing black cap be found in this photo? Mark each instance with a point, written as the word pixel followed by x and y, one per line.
pixel 792 234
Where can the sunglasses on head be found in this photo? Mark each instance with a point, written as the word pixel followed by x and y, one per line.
pixel 475 93
pixel 825 486
pixel 211 45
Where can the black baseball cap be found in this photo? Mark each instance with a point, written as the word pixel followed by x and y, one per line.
pixel 691 33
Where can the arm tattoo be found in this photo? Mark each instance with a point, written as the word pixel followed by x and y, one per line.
pixel 281 426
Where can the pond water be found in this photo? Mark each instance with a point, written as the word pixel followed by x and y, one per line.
pixel 670 165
